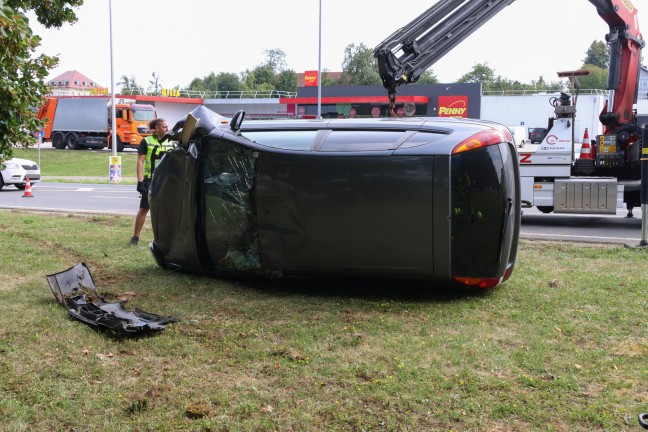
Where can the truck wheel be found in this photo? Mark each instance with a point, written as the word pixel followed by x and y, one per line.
pixel 72 142
pixel 57 141
pixel 120 145
pixel 546 209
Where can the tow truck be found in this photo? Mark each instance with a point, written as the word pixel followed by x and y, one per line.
pixel 554 178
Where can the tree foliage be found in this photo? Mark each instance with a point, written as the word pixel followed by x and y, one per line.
pixel 598 54
pixel 597 78
pixel 359 66
pixel 21 76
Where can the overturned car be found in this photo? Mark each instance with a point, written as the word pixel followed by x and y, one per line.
pixel 430 199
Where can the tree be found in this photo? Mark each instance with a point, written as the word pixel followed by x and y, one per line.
pixel 597 78
pixel 359 66
pixel 286 80
pixel 598 54
pixel 154 84
pixel 22 77
pixel 480 73
pixel 275 59
pixel 129 85
pixel 428 77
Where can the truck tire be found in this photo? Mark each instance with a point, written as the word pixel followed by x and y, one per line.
pixel 72 142
pixel 546 209
pixel 57 141
pixel 120 145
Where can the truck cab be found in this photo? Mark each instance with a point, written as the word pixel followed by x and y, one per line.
pixel 132 124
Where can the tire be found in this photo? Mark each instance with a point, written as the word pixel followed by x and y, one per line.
pixel 21 186
pixel 57 141
pixel 2 183
pixel 72 143
pixel 522 144
pixel 546 209
pixel 120 145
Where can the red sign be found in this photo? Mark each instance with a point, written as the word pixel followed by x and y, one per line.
pixel 453 106
pixel 310 78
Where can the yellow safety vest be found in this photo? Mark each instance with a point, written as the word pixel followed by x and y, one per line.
pixel 154 152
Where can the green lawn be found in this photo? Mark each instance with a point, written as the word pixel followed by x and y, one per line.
pixel 561 346
pixel 77 163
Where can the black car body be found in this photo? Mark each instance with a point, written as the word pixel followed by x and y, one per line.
pixel 423 198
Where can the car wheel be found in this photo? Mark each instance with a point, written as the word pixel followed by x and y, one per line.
pixel 1 181
pixel 57 141
pixel 546 209
pixel 20 186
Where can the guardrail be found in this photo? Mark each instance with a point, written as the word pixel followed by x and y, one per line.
pixel 208 94
pixel 539 92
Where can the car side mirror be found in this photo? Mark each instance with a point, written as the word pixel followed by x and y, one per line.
pixel 237 120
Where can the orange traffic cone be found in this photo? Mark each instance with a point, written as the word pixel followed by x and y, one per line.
pixel 586 150
pixel 28 192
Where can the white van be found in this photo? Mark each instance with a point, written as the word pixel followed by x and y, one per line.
pixel 519 135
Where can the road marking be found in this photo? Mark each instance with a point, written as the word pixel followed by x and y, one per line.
pixel 113 197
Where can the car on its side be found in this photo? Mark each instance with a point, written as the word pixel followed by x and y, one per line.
pixel 428 199
pixel 16 171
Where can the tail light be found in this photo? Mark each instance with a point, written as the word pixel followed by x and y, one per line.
pixel 481 139
pixel 477 282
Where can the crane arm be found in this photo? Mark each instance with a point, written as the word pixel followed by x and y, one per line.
pixel 412 49
pixel 429 37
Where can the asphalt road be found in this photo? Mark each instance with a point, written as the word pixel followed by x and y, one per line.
pixel 124 200
pixel 74 198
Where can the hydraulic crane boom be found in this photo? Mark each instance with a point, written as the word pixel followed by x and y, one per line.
pixel 412 49
pixel 429 37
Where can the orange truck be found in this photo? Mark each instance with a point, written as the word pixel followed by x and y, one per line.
pixel 85 122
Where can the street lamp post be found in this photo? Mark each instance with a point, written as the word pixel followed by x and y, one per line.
pixel 319 66
pixel 114 162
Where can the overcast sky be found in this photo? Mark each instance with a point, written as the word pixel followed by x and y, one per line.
pixel 182 40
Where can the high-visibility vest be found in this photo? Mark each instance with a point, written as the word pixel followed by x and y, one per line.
pixel 154 152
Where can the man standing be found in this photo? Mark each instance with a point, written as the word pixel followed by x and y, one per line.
pixel 149 152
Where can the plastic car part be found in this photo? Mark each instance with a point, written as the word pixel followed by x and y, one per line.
pixel 75 289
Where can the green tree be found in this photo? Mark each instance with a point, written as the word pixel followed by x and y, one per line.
pixel 129 85
pixel 480 73
pixel 275 59
pixel 286 80
pixel 597 78
pixel 360 66
pixel 428 77
pixel 22 76
pixel 598 54
pixel 227 81
pixel 154 84
pixel 205 84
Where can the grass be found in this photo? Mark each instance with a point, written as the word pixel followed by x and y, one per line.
pixel 560 347
pixel 82 163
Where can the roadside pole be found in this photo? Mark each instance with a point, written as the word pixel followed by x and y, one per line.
pixel 114 161
pixel 644 187
pixel 643 243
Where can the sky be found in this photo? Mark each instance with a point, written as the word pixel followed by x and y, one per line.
pixel 180 41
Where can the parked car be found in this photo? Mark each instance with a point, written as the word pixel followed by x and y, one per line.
pixel 16 171
pixel 519 135
pixel 536 135
pixel 431 199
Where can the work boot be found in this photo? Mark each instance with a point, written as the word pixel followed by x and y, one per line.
pixel 134 240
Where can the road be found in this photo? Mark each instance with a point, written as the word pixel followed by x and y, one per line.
pixel 124 200
pixel 74 198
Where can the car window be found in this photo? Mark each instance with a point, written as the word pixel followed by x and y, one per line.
pixel 362 140
pixel 287 140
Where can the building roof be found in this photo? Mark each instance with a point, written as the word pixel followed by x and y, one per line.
pixel 74 80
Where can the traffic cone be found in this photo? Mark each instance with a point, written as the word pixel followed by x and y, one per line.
pixel 586 149
pixel 28 192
